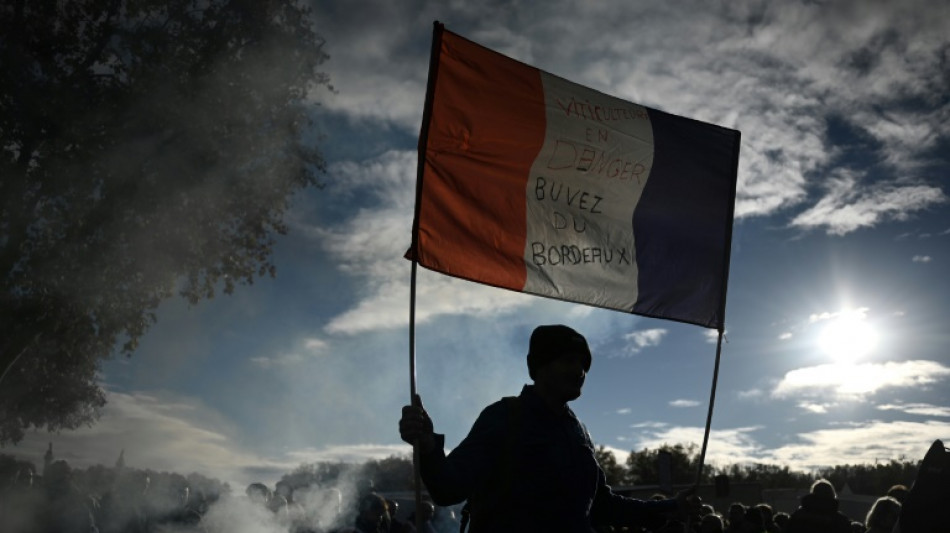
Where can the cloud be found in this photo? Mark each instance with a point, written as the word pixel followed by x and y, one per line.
pixel 750 393
pixel 174 433
pixel 638 340
pixel 921 259
pixel 859 443
pixel 726 446
pixel 308 349
pixel 785 335
pixel 791 68
pixel 684 403
pixel 923 409
pixel 624 411
pixel 847 207
pixel 816 408
pixel 859 380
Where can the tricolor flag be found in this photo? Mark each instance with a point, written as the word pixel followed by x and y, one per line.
pixel 535 184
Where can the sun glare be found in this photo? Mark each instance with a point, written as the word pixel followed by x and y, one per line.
pixel 848 337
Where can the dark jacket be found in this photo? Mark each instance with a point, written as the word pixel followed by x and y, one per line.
pixel 818 515
pixel 533 470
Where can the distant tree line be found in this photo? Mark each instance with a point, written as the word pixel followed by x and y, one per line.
pixel 395 473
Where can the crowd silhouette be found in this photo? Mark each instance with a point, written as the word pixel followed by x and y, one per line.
pixel 57 498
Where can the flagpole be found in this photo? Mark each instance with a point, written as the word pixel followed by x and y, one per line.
pixel 413 251
pixel 712 401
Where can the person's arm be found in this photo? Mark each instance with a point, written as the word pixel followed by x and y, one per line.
pixel 452 478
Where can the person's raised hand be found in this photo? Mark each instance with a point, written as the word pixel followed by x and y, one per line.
pixel 415 426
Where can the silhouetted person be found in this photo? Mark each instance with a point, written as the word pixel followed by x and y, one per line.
pixel 883 515
pixel 372 515
pixel 397 525
pixel 898 492
pixel 258 493
pixel 711 523
pixel 781 520
pixel 528 463
pixel 736 518
pixel 818 512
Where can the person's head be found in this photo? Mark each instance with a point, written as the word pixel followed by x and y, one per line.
pixel 372 509
pixel 736 513
pixel 883 514
pixel 823 488
pixel 766 511
pixel 781 519
pixel 258 493
pixel 558 361
pixel 427 510
pixel 393 507
pixel 711 523
pixel 898 492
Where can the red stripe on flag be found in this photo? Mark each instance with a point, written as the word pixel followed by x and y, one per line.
pixel 486 127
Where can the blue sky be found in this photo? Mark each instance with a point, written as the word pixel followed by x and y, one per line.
pixel 842 226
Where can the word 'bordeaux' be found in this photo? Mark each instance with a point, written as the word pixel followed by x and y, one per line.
pixel 570 254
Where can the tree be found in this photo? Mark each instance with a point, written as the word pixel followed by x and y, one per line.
pixel 642 466
pixel 608 462
pixel 147 148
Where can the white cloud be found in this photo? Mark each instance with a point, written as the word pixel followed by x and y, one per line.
pixel 847 206
pixel 860 443
pixel 857 443
pixel 624 411
pixel 789 66
pixel 784 336
pixel 726 446
pixel 921 259
pixel 683 403
pixel 749 394
pixel 638 340
pixel 817 408
pixel 923 409
pixel 858 380
pixel 164 432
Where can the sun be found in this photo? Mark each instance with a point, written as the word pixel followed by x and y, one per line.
pixel 848 337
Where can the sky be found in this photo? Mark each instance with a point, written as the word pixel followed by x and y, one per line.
pixel 837 307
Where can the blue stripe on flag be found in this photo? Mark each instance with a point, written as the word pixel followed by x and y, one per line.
pixel 682 223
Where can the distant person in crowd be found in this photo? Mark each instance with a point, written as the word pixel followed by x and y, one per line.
pixel 883 515
pixel 737 518
pixel 396 524
pixel 427 512
pixel 898 492
pixel 258 493
pixel 372 515
pixel 754 520
pixel 781 521
pixel 767 514
pixel 531 454
pixel 818 512
pixel 711 523
pixel 857 527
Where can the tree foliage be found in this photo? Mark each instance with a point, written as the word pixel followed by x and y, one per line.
pixel 147 148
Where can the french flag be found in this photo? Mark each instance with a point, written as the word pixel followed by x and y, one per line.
pixel 535 184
